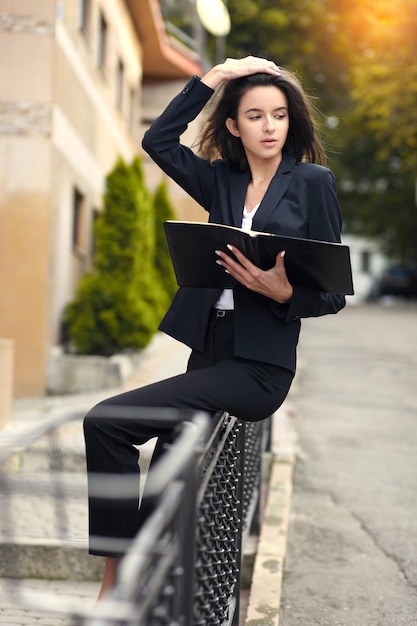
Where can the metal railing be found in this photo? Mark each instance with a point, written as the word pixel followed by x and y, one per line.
pixel 180 20
pixel 201 499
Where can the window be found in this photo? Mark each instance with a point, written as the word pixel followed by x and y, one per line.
pixel 78 208
pixel 119 84
pixel 93 245
pixel 85 16
pixel 102 43
pixel 132 109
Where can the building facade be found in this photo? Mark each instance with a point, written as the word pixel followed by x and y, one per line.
pixel 74 74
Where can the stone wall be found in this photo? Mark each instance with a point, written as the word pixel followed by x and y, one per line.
pixel 6 380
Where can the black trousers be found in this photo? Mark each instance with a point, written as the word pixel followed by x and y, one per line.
pixel 215 380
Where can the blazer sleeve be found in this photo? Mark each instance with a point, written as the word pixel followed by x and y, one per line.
pixel 162 142
pixel 325 224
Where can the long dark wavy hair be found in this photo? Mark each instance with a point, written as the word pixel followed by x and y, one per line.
pixel 303 141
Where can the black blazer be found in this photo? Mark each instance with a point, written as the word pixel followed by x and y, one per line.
pixel 300 202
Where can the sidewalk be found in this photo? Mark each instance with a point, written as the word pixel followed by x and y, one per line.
pixel 351 554
pixel 41 556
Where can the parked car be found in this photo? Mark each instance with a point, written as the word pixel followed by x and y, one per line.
pixel 396 280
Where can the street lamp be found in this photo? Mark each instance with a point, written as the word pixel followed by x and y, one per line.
pixel 214 16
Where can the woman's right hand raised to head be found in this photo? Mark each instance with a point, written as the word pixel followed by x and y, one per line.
pixel 236 68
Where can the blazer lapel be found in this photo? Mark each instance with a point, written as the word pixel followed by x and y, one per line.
pixel 239 183
pixel 277 187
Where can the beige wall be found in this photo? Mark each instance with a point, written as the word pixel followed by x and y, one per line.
pixel 24 224
pixel 60 128
pixel 25 168
pixel 6 380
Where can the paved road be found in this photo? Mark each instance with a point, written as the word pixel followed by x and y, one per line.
pixel 352 551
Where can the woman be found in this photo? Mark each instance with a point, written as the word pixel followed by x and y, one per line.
pixel 257 171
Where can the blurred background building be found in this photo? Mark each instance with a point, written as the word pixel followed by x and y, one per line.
pixel 79 82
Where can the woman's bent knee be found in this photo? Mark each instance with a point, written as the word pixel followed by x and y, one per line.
pixel 95 422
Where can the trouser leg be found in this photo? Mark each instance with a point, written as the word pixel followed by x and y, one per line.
pixel 110 444
pixel 111 456
pixel 243 388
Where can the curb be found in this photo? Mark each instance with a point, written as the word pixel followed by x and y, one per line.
pixel 265 591
pixel 52 560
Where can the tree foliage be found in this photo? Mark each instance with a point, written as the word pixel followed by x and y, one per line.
pixel 359 58
pixel 162 258
pixel 379 130
pixel 381 48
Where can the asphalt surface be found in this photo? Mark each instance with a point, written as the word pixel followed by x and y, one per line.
pixel 352 543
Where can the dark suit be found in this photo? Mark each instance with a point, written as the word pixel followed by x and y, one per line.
pixel 242 363
pixel 300 202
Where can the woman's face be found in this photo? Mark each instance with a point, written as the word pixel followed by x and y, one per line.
pixel 262 122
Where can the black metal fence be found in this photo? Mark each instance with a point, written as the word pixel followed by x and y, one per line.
pixel 201 499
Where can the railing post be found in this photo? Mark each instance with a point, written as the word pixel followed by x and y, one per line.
pixel 240 518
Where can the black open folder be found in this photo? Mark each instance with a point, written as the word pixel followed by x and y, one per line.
pixel 318 264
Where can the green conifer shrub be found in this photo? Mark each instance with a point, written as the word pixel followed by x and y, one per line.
pixel 162 258
pixel 119 304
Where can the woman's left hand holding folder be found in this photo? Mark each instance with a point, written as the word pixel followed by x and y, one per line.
pixel 272 283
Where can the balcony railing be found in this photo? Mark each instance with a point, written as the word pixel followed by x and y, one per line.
pixel 180 20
